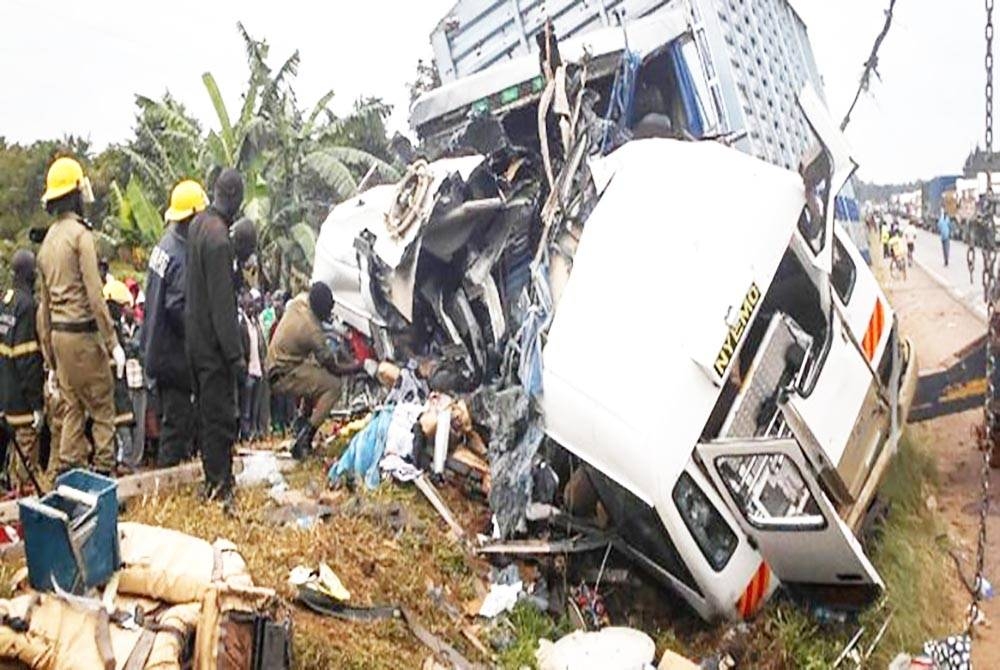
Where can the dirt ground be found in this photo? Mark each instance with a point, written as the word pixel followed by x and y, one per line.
pixel 939 325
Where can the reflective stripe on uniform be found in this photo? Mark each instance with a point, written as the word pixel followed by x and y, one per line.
pixel 16 420
pixel 18 350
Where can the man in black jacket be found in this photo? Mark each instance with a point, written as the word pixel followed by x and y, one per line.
pixel 162 342
pixel 212 334
pixel 21 376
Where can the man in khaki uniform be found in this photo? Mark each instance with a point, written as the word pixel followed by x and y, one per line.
pixel 301 364
pixel 77 335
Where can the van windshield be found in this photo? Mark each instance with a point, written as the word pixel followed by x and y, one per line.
pixel 715 538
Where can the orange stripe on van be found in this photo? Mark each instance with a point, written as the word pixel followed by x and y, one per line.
pixel 873 335
pixel 753 595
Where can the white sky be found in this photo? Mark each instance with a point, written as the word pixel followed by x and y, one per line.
pixel 77 73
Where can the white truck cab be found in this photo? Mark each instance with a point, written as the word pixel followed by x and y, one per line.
pixel 741 443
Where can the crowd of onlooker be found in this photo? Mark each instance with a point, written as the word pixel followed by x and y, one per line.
pixel 263 413
pixel 98 372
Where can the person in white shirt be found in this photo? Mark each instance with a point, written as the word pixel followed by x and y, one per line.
pixel 910 235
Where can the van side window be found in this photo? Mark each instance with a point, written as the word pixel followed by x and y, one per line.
pixel 844 272
pixel 715 538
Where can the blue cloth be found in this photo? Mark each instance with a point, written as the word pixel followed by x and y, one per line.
pixel 363 454
pixel 537 319
pixel 944 226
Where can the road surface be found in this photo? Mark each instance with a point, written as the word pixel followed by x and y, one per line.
pixel 941 313
pixel 955 277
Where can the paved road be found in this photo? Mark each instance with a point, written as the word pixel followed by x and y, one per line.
pixel 955 277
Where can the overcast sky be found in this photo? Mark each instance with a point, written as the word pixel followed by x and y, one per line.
pixel 77 73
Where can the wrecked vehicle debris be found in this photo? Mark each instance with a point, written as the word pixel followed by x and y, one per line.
pixel 745 454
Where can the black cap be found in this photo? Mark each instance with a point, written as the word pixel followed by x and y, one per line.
pixel 23 265
pixel 321 301
pixel 227 196
pixel 244 239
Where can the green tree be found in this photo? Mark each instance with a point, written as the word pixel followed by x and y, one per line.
pixel 295 162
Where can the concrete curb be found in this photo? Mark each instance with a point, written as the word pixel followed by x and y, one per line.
pixel 978 311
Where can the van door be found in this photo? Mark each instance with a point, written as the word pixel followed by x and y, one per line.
pixel 781 507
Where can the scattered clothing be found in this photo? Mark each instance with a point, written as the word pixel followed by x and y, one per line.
pixel 364 452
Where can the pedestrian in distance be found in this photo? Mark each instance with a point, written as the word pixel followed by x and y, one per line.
pixel 21 375
pixel 163 335
pixel 910 235
pixel 212 336
pixel 944 230
pixel 75 329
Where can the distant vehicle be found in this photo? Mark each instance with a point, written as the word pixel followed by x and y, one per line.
pixel 934 196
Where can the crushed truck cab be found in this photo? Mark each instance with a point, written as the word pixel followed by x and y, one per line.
pixel 712 345
pixel 744 433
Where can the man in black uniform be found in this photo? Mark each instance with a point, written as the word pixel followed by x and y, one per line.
pixel 21 375
pixel 162 341
pixel 213 340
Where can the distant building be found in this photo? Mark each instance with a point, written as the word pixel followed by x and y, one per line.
pixel 980 161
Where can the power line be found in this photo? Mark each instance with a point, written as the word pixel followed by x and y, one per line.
pixel 871 64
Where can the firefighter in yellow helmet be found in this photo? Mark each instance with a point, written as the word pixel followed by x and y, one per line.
pixel 162 345
pixel 76 332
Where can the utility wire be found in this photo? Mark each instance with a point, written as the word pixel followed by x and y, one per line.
pixel 871 64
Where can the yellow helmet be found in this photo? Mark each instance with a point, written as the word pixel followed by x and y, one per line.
pixel 65 175
pixel 187 198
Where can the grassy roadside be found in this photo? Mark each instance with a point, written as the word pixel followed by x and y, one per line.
pixel 385 558
pixel 910 553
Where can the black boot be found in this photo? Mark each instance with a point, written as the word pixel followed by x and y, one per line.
pixel 227 496
pixel 303 442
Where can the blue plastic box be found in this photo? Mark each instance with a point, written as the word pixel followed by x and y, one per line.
pixel 71 533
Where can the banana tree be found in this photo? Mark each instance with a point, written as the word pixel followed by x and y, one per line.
pixel 294 164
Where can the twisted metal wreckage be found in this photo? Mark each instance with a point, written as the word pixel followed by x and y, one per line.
pixel 720 362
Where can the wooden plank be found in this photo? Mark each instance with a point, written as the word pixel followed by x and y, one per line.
pixel 572 545
pixel 425 487
pixel 151 482
pixel 130 485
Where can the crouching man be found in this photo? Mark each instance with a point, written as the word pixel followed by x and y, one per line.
pixel 301 364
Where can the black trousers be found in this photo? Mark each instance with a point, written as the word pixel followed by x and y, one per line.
pixel 218 420
pixel 178 425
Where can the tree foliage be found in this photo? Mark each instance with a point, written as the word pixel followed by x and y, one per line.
pixel 295 162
